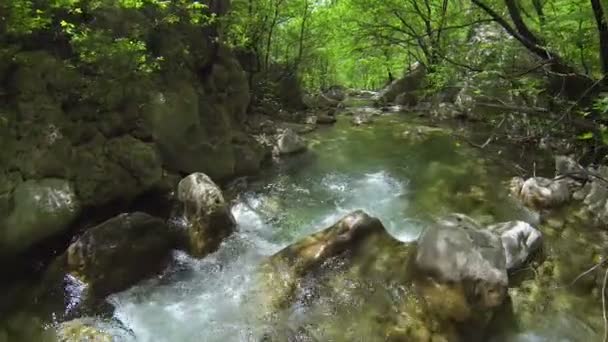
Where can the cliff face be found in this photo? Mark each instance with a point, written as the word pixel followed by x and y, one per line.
pixel 77 134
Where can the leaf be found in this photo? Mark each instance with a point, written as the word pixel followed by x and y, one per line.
pixel 585 136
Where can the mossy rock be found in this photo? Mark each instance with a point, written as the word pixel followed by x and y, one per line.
pixel 141 246
pixel 80 330
pixel 40 209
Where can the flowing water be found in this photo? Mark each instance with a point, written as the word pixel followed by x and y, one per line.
pixel 391 169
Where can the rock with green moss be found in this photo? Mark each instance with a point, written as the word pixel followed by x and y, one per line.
pixel 140 246
pixel 40 209
pixel 117 169
pixel 80 330
pixel 373 285
pixel 207 216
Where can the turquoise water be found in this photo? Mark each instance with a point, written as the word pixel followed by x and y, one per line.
pixel 396 169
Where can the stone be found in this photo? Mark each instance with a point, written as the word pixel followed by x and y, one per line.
pixel 445 111
pixel 326 120
pixel 457 251
pixel 520 241
pixel 285 269
pixel 118 253
pixel 288 142
pixel 208 220
pixel 356 257
pixel 40 209
pixel 411 81
pixel 565 165
pixel 361 119
pixel 541 193
pixel 336 93
pixel 81 329
pixel 409 99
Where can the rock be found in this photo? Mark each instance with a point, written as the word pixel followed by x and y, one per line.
pixel 285 269
pixel 361 119
pixel 311 120
pixel 289 142
pixel 422 133
pixel 80 330
pixel 118 253
pixel 320 101
pixel 409 99
pixel 541 193
pixel 447 284
pixel 326 120
pixel 336 93
pixel 457 251
pixel 40 209
pixel 445 111
pixel 411 81
pixel 207 215
pixel 520 240
pixel 565 165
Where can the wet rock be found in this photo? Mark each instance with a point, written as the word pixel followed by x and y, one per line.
pixel 444 287
pixel 541 193
pixel 289 142
pixel 207 215
pixel 519 239
pixel 119 253
pixel 285 269
pixel 40 209
pixel 457 251
pixel 80 330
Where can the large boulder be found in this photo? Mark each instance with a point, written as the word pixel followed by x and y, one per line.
pixel 208 220
pixel 40 209
pixel 446 287
pixel 119 253
pixel 285 270
pixel 409 83
pixel 462 257
pixel 288 142
pixel 520 241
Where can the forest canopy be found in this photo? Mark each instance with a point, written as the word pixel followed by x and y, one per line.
pixel 357 43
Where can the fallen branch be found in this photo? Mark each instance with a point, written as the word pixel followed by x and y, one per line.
pixel 587 272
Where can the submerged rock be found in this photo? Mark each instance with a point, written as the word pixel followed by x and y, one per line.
pixel 207 215
pixel 119 253
pixel 40 209
pixel 519 239
pixel 289 142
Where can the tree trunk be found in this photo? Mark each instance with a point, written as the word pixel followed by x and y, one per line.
pixel 602 28
pixel 302 35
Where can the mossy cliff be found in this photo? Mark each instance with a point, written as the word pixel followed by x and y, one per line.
pixel 82 128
